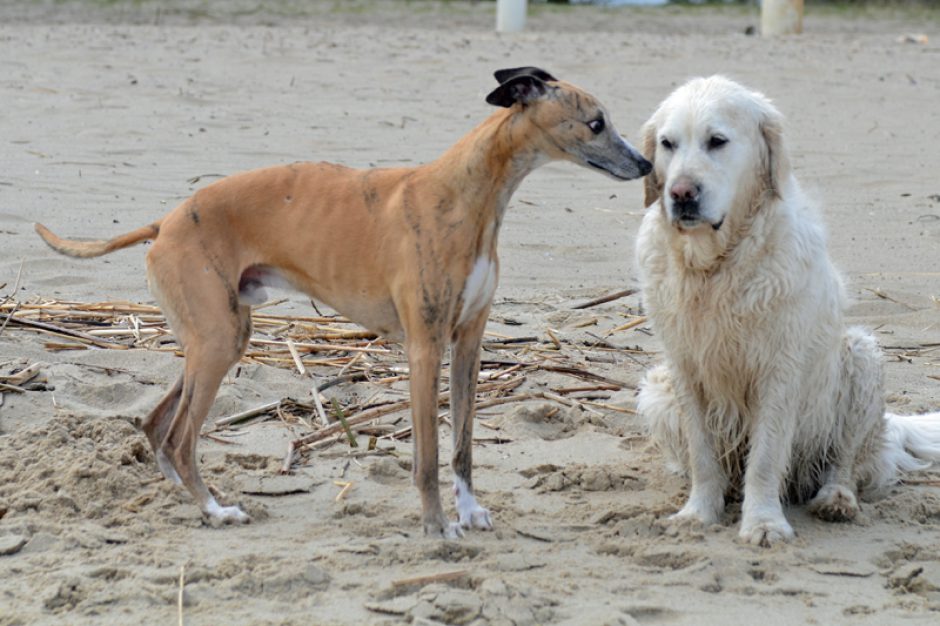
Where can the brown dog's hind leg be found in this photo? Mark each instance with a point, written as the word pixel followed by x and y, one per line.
pixel 213 328
pixel 157 424
pixel 205 369
pixel 464 369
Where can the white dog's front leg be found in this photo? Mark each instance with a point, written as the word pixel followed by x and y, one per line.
pixel 762 520
pixel 709 481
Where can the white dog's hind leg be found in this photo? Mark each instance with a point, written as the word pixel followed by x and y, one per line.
pixel 860 418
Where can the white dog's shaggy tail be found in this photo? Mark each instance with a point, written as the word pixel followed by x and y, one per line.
pixel 911 442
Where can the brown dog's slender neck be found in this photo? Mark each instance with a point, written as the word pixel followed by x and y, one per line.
pixel 491 161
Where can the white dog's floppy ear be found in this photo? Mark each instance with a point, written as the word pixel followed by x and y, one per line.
pixel 652 187
pixel 776 164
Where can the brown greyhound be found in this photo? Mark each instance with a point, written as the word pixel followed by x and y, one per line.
pixel 417 262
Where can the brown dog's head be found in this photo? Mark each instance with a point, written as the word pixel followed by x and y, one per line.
pixel 567 123
pixel 715 146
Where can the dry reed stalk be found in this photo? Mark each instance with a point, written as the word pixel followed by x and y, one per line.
pixel 319 347
pixel 551 335
pixel 421 581
pixel 406 431
pixel 631 324
pixel 346 488
pixel 62 347
pixel 179 598
pixel 319 404
pixel 288 459
pixel 65 332
pixel 879 293
pixel 610 407
pixel 338 412
pixel 603 387
pixel 606 298
pixel 238 417
pixel 23 376
pixel 294 355
pixel 123 332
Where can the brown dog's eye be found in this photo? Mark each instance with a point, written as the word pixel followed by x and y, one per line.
pixel 665 143
pixel 596 126
pixel 716 141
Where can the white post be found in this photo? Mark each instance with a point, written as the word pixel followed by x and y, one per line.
pixel 510 15
pixel 781 17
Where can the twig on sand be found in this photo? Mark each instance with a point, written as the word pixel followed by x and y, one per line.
pixel 604 299
pixel 240 417
pixel 179 599
pixel 631 324
pixel 60 330
pixel 879 293
pixel 288 458
pixel 16 288
pixel 421 581
pixel 13 388
pixel 346 485
pixel 338 411
pixel 324 420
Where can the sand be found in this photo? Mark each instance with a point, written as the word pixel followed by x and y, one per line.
pixel 111 110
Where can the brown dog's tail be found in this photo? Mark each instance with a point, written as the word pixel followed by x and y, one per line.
pixel 87 249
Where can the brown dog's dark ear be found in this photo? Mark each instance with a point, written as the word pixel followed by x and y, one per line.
pixel 776 163
pixel 503 75
pixel 524 88
pixel 652 188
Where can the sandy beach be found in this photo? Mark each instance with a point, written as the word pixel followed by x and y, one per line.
pixel 114 112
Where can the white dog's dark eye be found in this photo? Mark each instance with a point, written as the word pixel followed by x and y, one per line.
pixel 716 141
pixel 596 126
pixel 665 143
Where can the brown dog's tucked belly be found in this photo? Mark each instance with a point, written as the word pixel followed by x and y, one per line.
pixel 326 247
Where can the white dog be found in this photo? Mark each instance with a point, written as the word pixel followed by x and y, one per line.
pixel 762 382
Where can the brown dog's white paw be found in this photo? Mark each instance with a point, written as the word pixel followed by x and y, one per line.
pixel 834 503
pixel 439 527
pixel 478 518
pixel 219 515
pixel 469 512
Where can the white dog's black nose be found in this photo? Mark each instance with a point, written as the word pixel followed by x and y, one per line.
pixel 645 166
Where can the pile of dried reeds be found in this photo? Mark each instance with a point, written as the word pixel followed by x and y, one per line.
pixel 339 352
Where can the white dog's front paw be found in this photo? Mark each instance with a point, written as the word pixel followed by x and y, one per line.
pixel 221 515
pixel 834 503
pixel 765 532
pixel 701 510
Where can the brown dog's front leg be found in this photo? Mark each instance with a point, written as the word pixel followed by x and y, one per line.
pixel 464 369
pixel 424 360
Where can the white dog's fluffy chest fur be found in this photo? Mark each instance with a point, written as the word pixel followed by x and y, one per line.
pixel 722 327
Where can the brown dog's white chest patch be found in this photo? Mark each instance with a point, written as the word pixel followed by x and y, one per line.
pixel 479 288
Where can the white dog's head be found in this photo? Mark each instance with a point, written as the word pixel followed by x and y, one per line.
pixel 716 149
